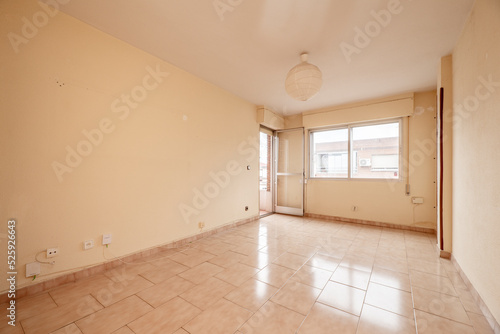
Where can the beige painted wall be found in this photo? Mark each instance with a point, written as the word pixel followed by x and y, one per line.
pixel 270 118
pixel 294 121
pixel 380 200
pixel 476 157
pixel 153 157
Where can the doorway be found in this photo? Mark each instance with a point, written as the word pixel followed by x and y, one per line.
pixel 266 175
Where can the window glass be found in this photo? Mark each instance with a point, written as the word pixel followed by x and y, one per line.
pixel 329 153
pixel 373 153
pixel 377 148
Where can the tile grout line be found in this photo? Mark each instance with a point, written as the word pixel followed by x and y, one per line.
pixel 279 289
pixel 286 236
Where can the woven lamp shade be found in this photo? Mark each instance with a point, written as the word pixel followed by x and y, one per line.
pixel 304 80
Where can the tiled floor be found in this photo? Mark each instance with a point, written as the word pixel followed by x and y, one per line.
pixel 280 274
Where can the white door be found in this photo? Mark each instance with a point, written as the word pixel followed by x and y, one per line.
pixel 289 180
pixel 266 184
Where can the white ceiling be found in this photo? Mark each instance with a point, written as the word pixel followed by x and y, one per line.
pixel 249 49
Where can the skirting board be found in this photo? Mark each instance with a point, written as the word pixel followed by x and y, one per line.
pixel 100 268
pixel 444 254
pixel 373 223
pixel 477 298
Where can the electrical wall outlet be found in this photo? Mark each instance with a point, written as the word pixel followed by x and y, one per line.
pixel 88 244
pixel 106 239
pixel 32 269
pixel 52 252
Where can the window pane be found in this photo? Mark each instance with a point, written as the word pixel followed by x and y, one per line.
pixel 265 161
pixel 377 151
pixel 329 153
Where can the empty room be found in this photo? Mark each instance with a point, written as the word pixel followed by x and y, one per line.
pixel 243 167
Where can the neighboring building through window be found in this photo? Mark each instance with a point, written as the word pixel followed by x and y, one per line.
pixel 330 154
pixel 373 150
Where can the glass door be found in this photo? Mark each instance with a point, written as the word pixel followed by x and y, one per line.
pixel 266 172
pixel 289 181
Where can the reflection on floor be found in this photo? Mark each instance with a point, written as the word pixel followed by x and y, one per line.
pixel 280 274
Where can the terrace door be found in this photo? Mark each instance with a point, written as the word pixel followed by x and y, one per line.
pixel 289 180
pixel 266 177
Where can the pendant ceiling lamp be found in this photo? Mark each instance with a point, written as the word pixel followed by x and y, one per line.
pixel 304 80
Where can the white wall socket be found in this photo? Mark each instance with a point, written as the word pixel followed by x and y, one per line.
pixel 32 269
pixel 106 239
pixel 88 244
pixel 52 252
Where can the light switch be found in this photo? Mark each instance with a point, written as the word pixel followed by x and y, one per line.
pixel 417 200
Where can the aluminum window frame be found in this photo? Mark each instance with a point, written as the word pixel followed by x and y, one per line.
pixel 349 127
